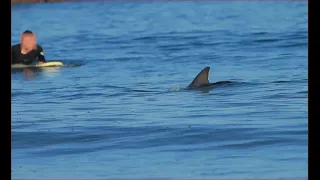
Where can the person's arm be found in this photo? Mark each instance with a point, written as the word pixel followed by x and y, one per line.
pixel 41 57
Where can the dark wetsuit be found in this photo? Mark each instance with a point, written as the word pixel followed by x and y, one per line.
pixel 29 58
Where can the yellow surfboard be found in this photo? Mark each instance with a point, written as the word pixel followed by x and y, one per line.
pixel 47 64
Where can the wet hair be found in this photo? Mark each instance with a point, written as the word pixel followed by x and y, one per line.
pixel 27 32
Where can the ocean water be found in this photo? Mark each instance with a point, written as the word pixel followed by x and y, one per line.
pixel 118 109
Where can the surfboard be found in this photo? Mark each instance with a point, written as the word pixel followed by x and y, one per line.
pixel 47 64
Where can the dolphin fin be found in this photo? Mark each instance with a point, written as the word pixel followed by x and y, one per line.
pixel 201 79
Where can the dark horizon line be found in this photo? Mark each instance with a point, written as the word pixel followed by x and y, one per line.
pixel 162 179
pixel 48 1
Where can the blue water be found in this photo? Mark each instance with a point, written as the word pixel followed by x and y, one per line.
pixel 119 110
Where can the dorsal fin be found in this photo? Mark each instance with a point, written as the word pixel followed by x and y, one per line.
pixel 201 79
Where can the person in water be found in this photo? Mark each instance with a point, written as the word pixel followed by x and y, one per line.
pixel 28 50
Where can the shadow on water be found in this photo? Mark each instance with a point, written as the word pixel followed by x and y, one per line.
pixel 205 89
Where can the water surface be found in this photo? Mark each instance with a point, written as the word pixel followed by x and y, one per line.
pixel 122 113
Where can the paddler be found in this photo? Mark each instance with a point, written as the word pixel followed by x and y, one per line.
pixel 27 51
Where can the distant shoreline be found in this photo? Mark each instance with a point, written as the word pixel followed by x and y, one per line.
pixel 36 1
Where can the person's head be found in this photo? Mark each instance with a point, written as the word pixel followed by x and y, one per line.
pixel 28 40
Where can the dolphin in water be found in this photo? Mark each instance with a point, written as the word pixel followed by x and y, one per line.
pixel 202 81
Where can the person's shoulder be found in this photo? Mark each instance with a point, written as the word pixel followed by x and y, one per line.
pixel 40 50
pixel 39 47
